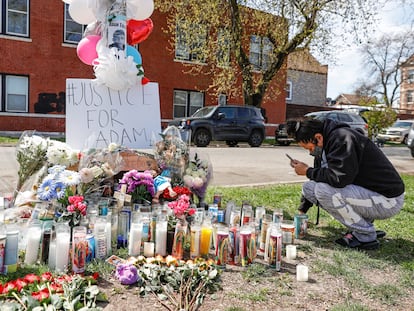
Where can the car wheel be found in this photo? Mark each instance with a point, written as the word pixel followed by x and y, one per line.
pixel 405 139
pixel 255 139
pixel 202 138
pixel 231 143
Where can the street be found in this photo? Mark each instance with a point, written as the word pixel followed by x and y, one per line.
pixel 239 166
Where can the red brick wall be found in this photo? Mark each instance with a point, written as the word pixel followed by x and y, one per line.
pixel 48 63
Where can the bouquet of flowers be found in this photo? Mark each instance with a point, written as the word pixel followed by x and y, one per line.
pixel 49 292
pixel 60 186
pixel 179 190
pixel 140 185
pixel 171 153
pixel 59 153
pixel 182 207
pixel 31 153
pixel 197 176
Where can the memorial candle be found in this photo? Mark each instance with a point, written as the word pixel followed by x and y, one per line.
pixel 161 236
pixel 62 247
pixel 34 234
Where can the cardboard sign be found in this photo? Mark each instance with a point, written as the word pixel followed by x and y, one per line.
pixel 97 115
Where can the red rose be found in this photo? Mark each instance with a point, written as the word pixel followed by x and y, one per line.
pixel 191 211
pixel 31 278
pixel 41 295
pixel 47 276
pixel 20 283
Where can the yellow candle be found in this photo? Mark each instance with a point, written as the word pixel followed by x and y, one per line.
pixel 205 238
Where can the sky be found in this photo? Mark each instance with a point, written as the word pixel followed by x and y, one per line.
pixel 343 75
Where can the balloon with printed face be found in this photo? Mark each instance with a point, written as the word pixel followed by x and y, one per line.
pixel 131 51
pixel 139 9
pixel 138 31
pixel 81 12
pixel 86 49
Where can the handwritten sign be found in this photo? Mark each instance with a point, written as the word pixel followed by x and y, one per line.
pixel 97 115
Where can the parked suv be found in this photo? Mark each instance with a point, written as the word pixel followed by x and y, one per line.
pixel 353 119
pixel 397 132
pixel 230 123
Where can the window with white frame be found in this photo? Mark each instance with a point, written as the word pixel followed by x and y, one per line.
pixel 73 31
pixel 15 17
pixel 288 90
pixel 187 102
pixel 260 52
pixel 222 100
pixel 410 76
pixel 190 46
pixel 16 93
pixel 410 97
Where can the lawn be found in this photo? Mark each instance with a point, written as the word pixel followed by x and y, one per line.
pixel 340 279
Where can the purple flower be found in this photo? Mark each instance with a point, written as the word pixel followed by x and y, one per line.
pixel 127 274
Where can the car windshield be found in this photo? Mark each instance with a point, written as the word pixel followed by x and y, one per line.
pixel 203 112
pixel 402 124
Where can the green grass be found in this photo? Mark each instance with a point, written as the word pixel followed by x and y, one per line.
pixel 362 271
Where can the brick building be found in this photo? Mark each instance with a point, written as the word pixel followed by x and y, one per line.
pixel 38 50
pixel 407 87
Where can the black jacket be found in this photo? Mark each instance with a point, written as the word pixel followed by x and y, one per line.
pixel 354 159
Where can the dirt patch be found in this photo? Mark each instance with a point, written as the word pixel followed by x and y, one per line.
pixel 275 290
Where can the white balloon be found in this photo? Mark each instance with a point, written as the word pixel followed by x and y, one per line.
pixel 139 9
pixel 81 12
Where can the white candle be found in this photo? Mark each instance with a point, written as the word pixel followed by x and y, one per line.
pixel 148 249
pixel 195 241
pixel 52 255
pixel 32 247
pixel 62 250
pixel 291 251
pixel 161 238
pixel 135 236
pixel 301 273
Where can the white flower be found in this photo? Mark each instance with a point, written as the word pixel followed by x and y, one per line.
pixel 198 182
pixel 113 147
pixel 86 175
pixel 70 178
pixel 61 153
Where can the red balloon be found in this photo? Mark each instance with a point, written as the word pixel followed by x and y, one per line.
pixel 138 31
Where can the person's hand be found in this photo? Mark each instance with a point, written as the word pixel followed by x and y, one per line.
pixel 300 167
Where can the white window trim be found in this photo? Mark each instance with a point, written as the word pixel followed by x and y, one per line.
pixel 289 85
pixel 26 108
pixel 5 15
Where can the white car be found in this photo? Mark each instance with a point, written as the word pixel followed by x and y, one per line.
pixel 397 132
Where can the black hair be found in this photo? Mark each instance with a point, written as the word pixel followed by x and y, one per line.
pixel 304 131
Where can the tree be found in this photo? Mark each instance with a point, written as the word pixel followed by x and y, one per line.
pixel 382 59
pixel 224 29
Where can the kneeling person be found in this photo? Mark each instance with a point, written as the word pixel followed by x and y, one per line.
pixel 351 179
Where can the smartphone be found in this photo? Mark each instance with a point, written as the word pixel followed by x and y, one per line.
pixel 290 158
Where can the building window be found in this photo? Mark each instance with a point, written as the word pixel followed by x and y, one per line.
pixel 223 48
pixel 260 52
pixel 222 100
pixel 73 30
pixel 288 90
pixel 410 97
pixel 15 17
pixel 410 76
pixel 16 93
pixel 187 102
pixel 190 45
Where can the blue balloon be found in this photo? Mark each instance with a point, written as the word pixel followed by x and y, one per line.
pixel 131 51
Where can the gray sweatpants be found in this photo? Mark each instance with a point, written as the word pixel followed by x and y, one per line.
pixel 353 206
